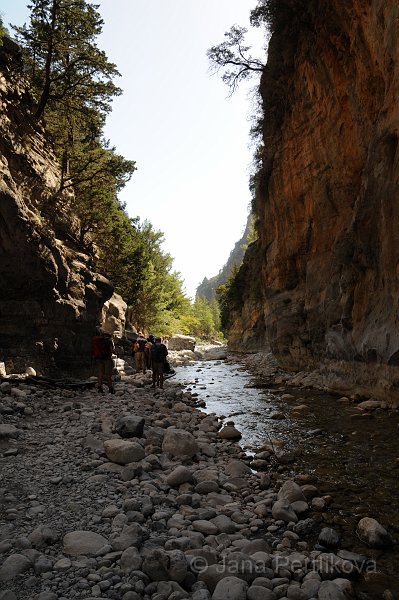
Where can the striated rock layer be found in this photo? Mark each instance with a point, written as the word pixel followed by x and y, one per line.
pixel 50 300
pixel 327 258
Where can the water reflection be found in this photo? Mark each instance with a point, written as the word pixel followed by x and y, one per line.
pixel 353 456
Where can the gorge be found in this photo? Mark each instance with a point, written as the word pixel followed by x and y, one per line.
pixel 320 285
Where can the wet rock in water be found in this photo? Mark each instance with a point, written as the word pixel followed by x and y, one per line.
pixel 259 464
pixel 128 426
pixel 86 543
pixel 123 452
pixel 229 433
pixel 230 588
pixel 318 503
pixel 372 533
pixel 309 491
pixel 369 405
pixel 360 560
pixel 179 443
pixel 328 538
pixel 13 566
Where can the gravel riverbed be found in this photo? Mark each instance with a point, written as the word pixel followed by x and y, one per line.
pixel 142 495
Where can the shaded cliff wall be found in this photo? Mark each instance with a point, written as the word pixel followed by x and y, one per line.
pixel 50 300
pixel 328 195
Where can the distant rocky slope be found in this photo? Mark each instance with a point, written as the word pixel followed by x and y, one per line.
pixel 207 289
pixel 327 259
pixel 50 299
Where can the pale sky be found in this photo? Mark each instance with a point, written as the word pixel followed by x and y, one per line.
pixel 189 140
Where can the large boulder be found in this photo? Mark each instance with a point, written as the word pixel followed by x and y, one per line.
pixel 179 475
pixel 128 426
pixel 123 452
pixel 229 432
pixel 160 565
pixel 114 316
pixel 373 533
pixel 230 588
pixel 86 543
pixel 13 566
pixel 179 443
pixel 282 510
pixel 291 492
pixel 182 342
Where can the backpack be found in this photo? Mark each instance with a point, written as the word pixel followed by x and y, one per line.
pixel 158 352
pixel 102 347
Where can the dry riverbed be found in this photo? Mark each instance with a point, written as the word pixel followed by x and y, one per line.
pixel 139 495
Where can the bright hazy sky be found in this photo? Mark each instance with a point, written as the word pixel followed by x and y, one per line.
pixel 189 140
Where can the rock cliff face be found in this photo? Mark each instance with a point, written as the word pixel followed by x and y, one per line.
pixel 50 300
pixel 328 198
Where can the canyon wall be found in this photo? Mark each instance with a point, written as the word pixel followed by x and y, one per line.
pixel 50 299
pixel 327 258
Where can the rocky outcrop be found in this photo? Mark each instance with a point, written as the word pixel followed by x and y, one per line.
pixel 328 197
pixel 50 300
pixel 114 316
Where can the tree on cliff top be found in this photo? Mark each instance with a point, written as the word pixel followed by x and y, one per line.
pixel 233 57
pixel 66 64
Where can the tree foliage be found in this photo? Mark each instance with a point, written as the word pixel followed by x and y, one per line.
pixel 72 80
pixel 67 67
pixel 232 57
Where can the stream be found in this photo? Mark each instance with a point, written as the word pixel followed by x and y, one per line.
pixel 352 456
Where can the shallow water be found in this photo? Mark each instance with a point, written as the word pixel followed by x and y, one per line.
pixel 352 456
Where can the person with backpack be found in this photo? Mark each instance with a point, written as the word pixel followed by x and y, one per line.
pixel 159 353
pixel 102 349
pixel 140 353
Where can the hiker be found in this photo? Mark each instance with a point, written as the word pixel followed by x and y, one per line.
pixel 140 353
pixel 159 353
pixel 102 349
pixel 148 346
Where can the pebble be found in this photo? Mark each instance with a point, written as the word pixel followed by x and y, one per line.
pixel 102 516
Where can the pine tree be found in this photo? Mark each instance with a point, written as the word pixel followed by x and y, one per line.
pixel 67 66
